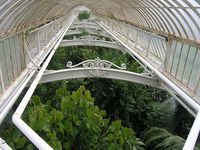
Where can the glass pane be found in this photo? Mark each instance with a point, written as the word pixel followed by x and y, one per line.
pixel 182 63
pixel 176 60
pixel 1 91
pixel 171 55
pixel 158 50
pixel 195 72
pixel 189 63
pixel 198 89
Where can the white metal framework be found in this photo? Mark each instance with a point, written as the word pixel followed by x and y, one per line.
pixel 158 67
pixel 92 42
pixel 179 18
pixel 101 69
pixel 20 58
pixel 164 36
pixel 88 30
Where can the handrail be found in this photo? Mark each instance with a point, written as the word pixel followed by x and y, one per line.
pixel 34 137
pixel 148 43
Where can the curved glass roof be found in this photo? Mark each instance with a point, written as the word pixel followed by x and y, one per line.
pixel 180 18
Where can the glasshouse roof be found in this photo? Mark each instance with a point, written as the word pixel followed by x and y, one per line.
pixel 180 18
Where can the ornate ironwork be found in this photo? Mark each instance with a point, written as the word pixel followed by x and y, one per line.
pixel 94 67
pixel 96 63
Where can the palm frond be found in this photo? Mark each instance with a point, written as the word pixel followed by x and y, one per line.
pixel 160 139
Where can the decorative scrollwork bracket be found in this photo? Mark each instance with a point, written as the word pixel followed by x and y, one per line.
pixel 95 66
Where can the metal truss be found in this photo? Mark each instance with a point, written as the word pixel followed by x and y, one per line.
pixel 99 73
pixel 174 57
pixel 90 26
pixel 88 30
pixel 99 43
pixel 162 56
pixel 100 69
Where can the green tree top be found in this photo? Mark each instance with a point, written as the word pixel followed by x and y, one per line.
pixel 83 15
pixel 72 121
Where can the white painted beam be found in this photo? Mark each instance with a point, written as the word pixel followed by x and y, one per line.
pixel 98 43
pixel 74 32
pixel 85 23
pixel 4 145
pixel 100 73
pixel 86 26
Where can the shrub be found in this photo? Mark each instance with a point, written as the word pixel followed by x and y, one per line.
pixel 83 15
pixel 72 121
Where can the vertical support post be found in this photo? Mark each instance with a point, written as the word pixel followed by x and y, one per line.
pixel 148 47
pixel 50 32
pixel 113 27
pixel 57 27
pixel 46 36
pixel 167 53
pixel 193 135
pixel 2 81
pixel 60 26
pixel 127 35
pixel 108 23
pixel 25 49
pixel 38 41
pixel 136 40
pixel 198 84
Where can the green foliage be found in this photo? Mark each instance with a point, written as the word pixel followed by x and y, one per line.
pixel 137 106
pixel 83 15
pixel 14 138
pixel 72 121
pixel 159 115
pixel 119 137
pixel 183 122
pixel 78 54
pixel 132 103
pixel 160 139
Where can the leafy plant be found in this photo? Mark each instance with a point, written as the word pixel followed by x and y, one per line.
pixel 83 15
pixel 159 115
pixel 72 121
pixel 132 103
pixel 160 139
pixel 119 137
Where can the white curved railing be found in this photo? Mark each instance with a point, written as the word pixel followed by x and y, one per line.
pixel 153 46
pixel 39 39
pixel 17 120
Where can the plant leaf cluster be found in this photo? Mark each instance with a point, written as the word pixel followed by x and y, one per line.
pixel 84 15
pixel 73 121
